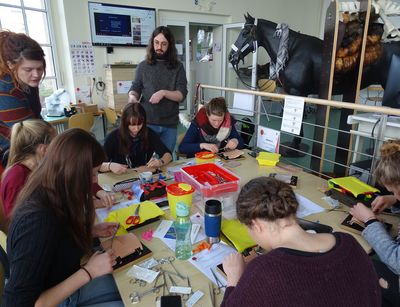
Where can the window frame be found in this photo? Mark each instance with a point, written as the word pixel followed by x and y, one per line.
pixel 51 45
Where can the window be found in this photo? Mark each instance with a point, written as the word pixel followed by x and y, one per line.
pixel 32 18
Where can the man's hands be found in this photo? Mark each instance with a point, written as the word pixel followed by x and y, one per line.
pixel 133 96
pixel 157 96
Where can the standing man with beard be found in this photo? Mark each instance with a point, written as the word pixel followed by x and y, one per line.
pixel 160 85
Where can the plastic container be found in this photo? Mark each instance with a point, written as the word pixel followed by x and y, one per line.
pixel 268 158
pixel 204 157
pixel 179 192
pixel 183 229
pixel 210 179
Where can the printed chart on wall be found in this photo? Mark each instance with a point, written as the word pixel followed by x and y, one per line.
pixel 268 139
pixel 292 114
pixel 82 57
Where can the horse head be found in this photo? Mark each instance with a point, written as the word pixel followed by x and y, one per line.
pixel 245 43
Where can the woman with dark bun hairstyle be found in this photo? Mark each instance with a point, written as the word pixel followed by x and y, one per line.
pixel 22 67
pixel 388 249
pixel 299 268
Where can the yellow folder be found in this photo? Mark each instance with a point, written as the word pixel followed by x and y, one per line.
pixel 237 234
pixel 351 184
pixel 147 211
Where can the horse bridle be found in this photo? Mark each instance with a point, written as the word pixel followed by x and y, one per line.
pixel 247 43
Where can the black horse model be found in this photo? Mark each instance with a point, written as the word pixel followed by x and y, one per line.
pixel 302 73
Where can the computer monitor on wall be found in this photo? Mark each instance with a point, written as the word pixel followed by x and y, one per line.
pixel 391 96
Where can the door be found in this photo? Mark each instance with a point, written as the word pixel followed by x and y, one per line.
pixel 180 30
pixel 247 69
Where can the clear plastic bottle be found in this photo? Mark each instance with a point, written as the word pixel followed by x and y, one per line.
pixel 183 229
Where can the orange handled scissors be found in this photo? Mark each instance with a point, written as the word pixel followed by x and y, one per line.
pixel 135 218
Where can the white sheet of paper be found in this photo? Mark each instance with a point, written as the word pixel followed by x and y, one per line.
pixel 179 48
pixel 142 273
pixel 162 229
pixel 209 259
pixel 307 207
pixel 243 104
pixel 292 114
pixel 123 86
pixel 268 139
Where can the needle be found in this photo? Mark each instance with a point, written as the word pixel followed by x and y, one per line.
pixel 112 239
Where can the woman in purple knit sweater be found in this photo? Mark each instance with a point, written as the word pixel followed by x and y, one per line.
pixel 300 269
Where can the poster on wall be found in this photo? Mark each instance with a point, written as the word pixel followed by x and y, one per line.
pixel 268 139
pixel 292 114
pixel 82 58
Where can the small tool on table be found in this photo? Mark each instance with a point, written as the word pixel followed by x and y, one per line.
pixel 219 283
pixel 135 218
pixel 113 236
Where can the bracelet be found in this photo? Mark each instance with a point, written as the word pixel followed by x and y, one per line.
pixel 86 270
pixel 109 166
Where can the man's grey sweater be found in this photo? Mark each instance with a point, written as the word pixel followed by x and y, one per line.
pixel 152 78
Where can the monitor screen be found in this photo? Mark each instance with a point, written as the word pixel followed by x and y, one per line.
pixel 120 25
pixel 391 96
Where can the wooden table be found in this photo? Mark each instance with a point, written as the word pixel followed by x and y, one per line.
pixel 310 186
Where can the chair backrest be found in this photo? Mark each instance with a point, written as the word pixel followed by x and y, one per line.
pixel 81 120
pixel 111 115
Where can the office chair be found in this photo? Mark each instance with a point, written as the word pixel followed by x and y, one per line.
pixel 81 120
pixel 111 117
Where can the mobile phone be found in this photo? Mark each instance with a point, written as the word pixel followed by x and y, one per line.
pixel 171 301
pixel 252 154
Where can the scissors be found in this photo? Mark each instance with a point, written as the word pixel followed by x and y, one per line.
pixel 135 218
pixel 220 285
pixel 168 259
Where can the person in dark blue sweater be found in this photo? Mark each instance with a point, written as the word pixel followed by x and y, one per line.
pixel 133 144
pixel 213 128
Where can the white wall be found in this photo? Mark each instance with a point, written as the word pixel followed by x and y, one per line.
pixel 71 24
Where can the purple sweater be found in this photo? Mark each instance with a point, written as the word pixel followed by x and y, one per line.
pixel 343 276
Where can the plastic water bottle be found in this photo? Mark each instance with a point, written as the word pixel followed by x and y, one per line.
pixel 183 229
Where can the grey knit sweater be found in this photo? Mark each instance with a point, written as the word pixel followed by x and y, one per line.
pixel 152 78
pixel 387 249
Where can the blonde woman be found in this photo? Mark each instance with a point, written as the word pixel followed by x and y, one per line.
pixel 388 249
pixel 29 141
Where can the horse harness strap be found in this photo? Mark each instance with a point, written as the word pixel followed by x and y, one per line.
pixel 253 36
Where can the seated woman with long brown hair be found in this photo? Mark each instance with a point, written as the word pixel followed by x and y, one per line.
pixel 133 144
pixel 52 228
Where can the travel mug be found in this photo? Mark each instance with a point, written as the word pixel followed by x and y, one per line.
pixel 212 220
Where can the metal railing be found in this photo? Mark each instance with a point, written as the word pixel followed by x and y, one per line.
pixel 372 123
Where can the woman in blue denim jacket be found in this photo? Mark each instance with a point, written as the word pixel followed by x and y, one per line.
pixel 387 248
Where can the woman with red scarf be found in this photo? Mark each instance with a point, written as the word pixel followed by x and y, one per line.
pixel 213 128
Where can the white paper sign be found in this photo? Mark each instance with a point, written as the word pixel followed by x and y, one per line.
pixel 123 86
pixel 243 104
pixel 292 114
pixel 268 139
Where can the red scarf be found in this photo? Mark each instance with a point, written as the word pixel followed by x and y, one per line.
pixel 221 133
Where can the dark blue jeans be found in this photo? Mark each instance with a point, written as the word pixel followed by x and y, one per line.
pixel 100 292
pixel 167 135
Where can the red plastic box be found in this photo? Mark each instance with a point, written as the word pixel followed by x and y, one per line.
pixel 210 179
